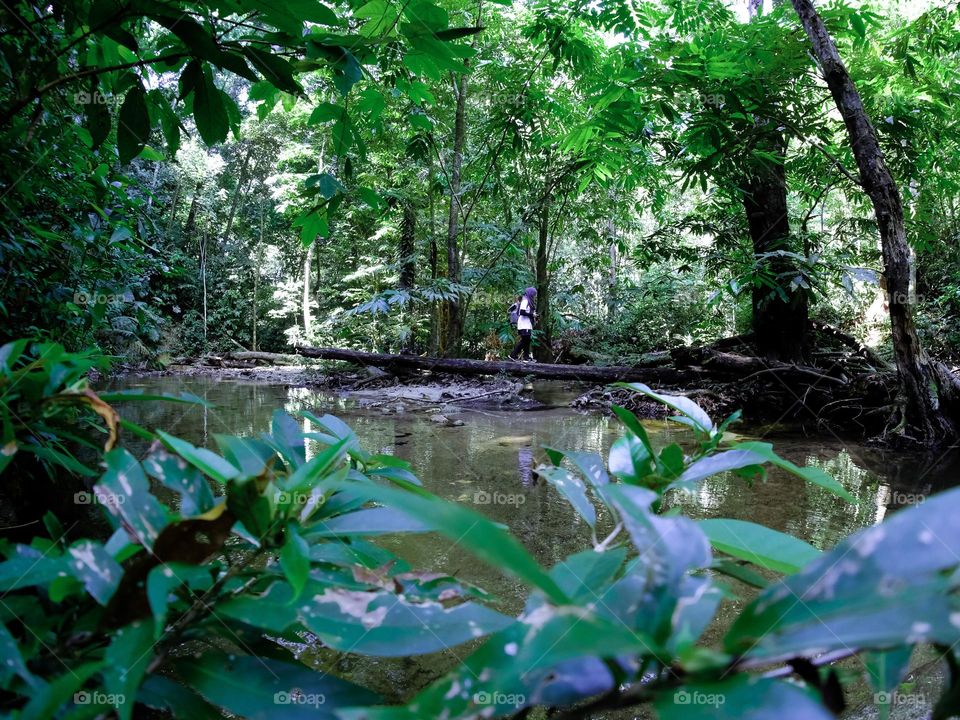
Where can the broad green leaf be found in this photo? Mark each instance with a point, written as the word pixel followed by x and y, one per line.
pixel 125 492
pixel 161 693
pixel 811 474
pixel 760 545
pixel 47 700
pixel 573 489
pixel 128 657
pixel 93 566
pixel 295 560
pixel 249 454
pixel 834 602
pixel 681 404
pixel 485 539
pixel 261 687
pixel 164 579
pixel 133 124
pixel 370 521
pixel 207 461
pixel 387 625
pixel 174 473
pixel 714 464
pixel 209 110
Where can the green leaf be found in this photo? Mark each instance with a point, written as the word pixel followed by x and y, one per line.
pixel 275 69
pixel 811 474
pixel 125 491
pixel 387 625
pixel 911 557
pixel 760 545
pixel 249 454
pixel 174 473
pixel 48 699
pixel 485 539
pixel 295 560
pixel 163 579
pixel 133 124
pixel 573 489
pixel 128 657
pixel 714 464
pixel 93 566
pixel 369 521
pixel 209 110
pixel 681 404
pixel 204 460
pixel 161 693
pixel 261 687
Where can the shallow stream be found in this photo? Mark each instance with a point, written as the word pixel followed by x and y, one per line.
pixel 487 462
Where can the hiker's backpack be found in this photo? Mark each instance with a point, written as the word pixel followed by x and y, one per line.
pixel 515 313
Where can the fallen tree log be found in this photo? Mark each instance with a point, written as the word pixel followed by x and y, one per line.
pixel 459 366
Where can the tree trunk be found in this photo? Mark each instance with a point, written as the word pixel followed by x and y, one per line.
pixel 192 215
pixel 408 265
pixel 307 322
pixel 930 392
pixel 237 193
pixel 454 330
pixel 779 323
pixel 459 366
pixel 545 339
pixel 612 277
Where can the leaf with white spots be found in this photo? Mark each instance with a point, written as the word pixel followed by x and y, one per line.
pixel 175 473
pixel 125 492
pixel 887 586
pixel 92 565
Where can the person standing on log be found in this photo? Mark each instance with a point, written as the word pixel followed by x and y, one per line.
pixel 526 314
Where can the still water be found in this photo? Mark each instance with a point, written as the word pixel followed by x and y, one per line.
pixel 487 463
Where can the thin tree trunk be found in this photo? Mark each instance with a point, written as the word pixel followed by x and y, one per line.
pixel 238 191
pixel 203 280
pixel 192 215
pixel 454 330
pixel 612 277
pixel 930 391
pixel 307 321
pixel 545 345
pixel 434 343
pixel 173 207
pixel 407 251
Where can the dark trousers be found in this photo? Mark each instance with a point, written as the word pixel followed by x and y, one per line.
pixel 522 348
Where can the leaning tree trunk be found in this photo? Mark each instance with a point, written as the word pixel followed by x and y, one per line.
pixel 930 391
pixel 779 320
pixel 454 320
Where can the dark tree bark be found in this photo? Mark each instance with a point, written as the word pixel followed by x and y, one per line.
pixel 779 325
pixel 930 392
pixel 545 339
pixel 454 329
